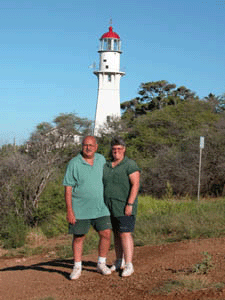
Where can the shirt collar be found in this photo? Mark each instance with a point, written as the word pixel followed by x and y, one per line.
pixel 83 161
pixel 109 163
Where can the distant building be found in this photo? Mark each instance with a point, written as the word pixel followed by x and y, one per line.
pixel 52 140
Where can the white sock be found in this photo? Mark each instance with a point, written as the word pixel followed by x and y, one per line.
pixel 77 264
pixel 129 264
pixel 101 260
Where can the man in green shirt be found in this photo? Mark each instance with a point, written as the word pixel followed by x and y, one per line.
pixel 85 204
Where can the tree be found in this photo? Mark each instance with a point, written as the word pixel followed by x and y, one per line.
pixel 155 96
pixel 68 129
pixel 24 173
pixel 165 143
pixel 115 126
pixel 216 102
pixel 48 145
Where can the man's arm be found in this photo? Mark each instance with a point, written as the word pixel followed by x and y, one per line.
pixel 68 198
pixel 135 182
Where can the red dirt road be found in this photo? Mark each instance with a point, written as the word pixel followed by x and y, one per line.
pixel 38 277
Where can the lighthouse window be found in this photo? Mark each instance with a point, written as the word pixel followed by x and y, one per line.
pixel 105 60
pixel 104 44
pixel 109 44
pixel 109 77
pixel 115 45
pixel 106 67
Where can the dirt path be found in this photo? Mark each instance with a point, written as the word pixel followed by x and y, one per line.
pixel 36 278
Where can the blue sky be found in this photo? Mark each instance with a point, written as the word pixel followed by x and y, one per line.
pixel 46 48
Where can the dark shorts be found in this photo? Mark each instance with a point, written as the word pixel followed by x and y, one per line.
pixel 123 224
pixel 117 207
pixel 82 227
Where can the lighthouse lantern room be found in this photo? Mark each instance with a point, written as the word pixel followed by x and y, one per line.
pixel 109 74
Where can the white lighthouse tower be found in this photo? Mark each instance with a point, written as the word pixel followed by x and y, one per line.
pixel 109 74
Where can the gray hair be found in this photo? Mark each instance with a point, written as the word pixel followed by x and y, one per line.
pixel 118 141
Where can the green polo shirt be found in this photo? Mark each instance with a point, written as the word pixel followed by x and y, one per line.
pixel 87 192
pixel 117 185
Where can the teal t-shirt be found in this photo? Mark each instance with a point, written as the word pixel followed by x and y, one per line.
pixel 87 184
pixel 117 185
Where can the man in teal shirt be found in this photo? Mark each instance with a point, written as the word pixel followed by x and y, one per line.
pixel 85 204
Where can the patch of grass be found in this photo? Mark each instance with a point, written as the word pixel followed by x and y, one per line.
pixel 205 265
pixel 160 221
pixel 192 280
pixel 59 250
pixel 35 236
pixel 26 251
pixel 167 287
pixel 64 251
pixel 189 283
pixel 194 283
pixel 90 243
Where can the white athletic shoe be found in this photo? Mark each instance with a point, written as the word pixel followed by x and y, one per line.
pixel 75 273
pixel 103 269
pixel 128 270
pixel 118 264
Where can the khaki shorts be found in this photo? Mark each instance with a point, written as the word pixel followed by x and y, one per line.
pixel 82 227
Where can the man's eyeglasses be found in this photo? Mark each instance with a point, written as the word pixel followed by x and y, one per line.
pixel 88 145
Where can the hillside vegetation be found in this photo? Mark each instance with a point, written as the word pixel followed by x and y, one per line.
pixel 162 127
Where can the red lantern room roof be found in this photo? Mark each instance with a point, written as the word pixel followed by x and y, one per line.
pixel 110 34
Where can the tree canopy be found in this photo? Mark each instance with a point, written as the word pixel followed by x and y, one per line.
pixel 25 171
pixel 156 95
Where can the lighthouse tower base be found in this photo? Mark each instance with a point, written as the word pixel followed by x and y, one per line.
pixel 107 108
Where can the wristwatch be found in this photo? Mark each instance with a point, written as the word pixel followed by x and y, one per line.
pixel 130 204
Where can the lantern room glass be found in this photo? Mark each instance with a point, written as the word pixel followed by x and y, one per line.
pixel 110 45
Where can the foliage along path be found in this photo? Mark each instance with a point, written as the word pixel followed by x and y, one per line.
pixel 41 277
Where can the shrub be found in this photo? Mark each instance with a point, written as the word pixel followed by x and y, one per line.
pixel 55 226
pixel 13 232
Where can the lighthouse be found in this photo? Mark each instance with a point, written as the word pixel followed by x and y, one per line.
pixel 109 74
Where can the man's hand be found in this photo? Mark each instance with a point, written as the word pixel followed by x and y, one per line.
pixel 71 218
pixel 128 210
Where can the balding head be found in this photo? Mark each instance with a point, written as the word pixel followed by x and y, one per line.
pixel 89 147
pixel 89 138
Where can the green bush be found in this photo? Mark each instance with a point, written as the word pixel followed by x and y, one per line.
pixel 13 233
pixel 51 201
pixel 55 225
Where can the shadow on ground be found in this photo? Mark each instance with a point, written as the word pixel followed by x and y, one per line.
pixel 50 266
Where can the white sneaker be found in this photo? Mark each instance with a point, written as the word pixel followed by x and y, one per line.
pixel 118 264
pixel 128 270
pixel 103 269
pixel 75 273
